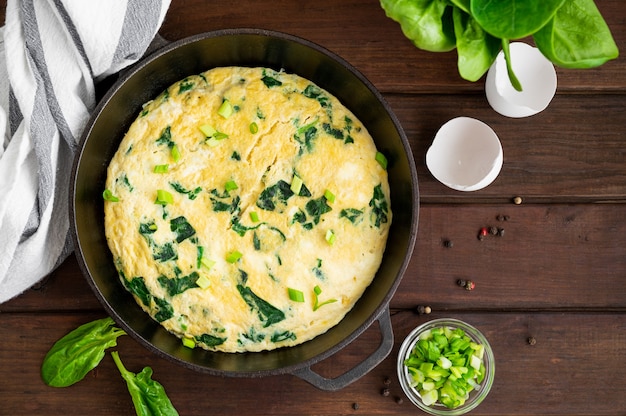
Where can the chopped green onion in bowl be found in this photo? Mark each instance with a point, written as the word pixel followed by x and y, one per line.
pixel 446 367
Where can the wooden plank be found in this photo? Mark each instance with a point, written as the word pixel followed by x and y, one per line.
pixel 554 376
pixel 557 155
pixel 65 289
pixel 374 44
pixel 558 257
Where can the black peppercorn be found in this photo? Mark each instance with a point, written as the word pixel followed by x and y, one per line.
pixel 385 392
pixel 387 381
pixel 448 244
pixel 461 282
pixel 493 230
pixel 399 400
pixel 531 340
pixel 500 232
pixel 355 406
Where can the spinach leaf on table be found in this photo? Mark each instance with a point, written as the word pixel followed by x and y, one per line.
pixel 577 37
pixel 513 19
pixel 80 351
pixel 570 33
pixel 148 395
pixel 428 23
pixel 476 49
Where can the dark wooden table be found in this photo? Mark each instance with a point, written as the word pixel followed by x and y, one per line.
pixel 558 274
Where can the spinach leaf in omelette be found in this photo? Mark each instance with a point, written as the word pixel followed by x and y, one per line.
pixel 267 313
pixel 182 228
pixel 210 340
pixel 379 206
pixel 137 286
pixel 178 284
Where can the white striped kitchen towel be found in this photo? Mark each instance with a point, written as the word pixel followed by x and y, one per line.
pixel 51 54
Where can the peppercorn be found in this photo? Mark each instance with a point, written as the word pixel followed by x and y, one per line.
pixel 500 232
pixel 517 200
pixel 470 285
pixel 531 340
pixel 387 381
pixel 461 282
pixel 385 392
pixel 448 244
pixel 399 400
pixel 421 310
pixel 493 230
pixel 355 406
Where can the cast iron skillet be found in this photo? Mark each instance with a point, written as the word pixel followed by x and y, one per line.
pixel 244 47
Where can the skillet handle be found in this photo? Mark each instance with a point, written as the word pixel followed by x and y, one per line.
pixel 364 367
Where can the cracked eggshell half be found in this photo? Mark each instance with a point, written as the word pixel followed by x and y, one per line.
pixel 466 154
pixel 536 75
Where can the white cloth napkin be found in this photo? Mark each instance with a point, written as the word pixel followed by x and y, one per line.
pixel 51 54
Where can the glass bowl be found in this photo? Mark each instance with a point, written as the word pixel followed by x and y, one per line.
pixel 478 377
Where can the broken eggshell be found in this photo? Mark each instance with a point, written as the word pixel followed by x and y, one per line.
pixel 465 155
pixel 536 75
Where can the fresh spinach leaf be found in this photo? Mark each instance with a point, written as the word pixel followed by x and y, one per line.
pixel 267 313
pixel 428 23
pixel 577 37
pixel 80 351
pixel 513 19
pixel 476 49
pixel 148 395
